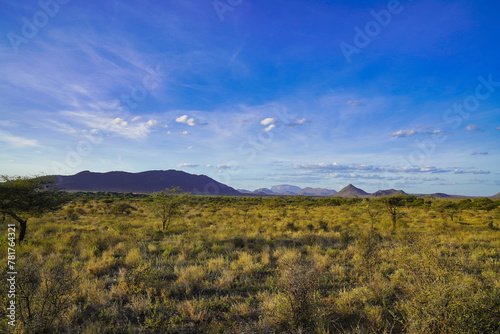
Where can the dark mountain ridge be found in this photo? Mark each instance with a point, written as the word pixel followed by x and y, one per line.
pixel 143 182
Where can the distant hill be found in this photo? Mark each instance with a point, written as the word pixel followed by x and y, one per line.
pixel 285 188
pixel 144 182
pixel 266 191
pixel 351 191
pixel 440 195
pixel 316 192
pixel 389 192
pixel 290 190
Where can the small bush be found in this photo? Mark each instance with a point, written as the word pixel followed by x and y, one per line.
pixel 295 307
pixel 45 293
pixel 133 257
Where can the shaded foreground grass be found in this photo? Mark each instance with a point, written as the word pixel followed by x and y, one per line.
pixel 235 265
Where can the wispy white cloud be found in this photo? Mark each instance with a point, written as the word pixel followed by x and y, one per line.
pixel 187 165
pixel 333 167
pixel 224 166
pixel 480 172
pixel 268 121
pixel 298 122
pixel 16 141
pixel 355 103
pixel 433 132
pixel 357 176
pixel 432 179
pixel 472 171
pixel 473 127
pixel 119 121
pixel 55 125
pixel 105 123
pixel 9 124
pixel 358 168
pixel 403 133
pixel 270 127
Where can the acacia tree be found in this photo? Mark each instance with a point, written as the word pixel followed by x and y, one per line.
pixel 446 208
pixel 25 197
pixel 167 204
pixel 245 207
pixel 392 204
pixel 372 209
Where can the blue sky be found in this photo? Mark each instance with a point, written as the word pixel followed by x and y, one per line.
pixel 380 94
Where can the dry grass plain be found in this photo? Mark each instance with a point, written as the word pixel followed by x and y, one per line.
pixel 259 265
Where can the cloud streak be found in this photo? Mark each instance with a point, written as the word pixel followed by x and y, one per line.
pixel 268 121
pixel 473 127
pixel 351 168
pixel 403 133
pixel 117 126
pixel 16 141
pixel 186 165
pixel 269 128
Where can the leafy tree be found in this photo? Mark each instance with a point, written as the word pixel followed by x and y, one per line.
pixel 122 209
pixel 372 209
pixel 447 208
pixel 25 197
pixel 167 205
pixel 419 203
pixel 392 204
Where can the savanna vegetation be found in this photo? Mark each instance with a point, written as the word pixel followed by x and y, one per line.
pixel 168 263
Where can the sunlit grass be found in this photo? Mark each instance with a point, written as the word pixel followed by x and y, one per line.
pixel 306 265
